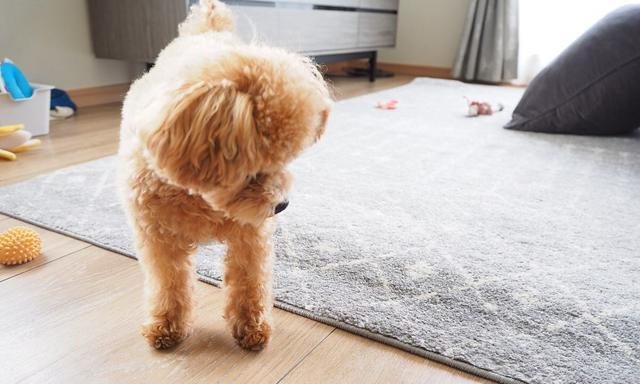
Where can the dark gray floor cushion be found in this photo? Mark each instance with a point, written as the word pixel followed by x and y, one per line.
pixel 593 87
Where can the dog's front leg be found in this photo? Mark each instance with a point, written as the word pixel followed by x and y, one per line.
pixel 166 263
pixel 247 279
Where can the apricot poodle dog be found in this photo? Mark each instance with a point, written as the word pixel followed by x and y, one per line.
pixel 205 138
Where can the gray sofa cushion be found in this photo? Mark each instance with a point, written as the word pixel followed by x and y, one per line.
pixel 593 87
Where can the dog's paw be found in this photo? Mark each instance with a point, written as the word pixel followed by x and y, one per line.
pixel 253 337
pixel 164 334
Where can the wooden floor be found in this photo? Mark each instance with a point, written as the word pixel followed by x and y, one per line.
pixel 73 315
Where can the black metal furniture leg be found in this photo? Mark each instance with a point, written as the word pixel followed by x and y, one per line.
pixel 338 57
pixel 373 66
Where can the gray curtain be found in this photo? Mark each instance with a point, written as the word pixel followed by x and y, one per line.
pixel 489 47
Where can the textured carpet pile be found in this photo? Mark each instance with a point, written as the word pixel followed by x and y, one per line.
pixel 512 255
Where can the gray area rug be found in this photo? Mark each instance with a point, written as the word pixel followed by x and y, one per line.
pixel 511 255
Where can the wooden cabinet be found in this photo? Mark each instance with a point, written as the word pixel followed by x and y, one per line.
pixel 134 30
pixel 379 4
pixel 311 31
pixel 137 30
pixel 335 3
pixel 266 31
pixel 376 30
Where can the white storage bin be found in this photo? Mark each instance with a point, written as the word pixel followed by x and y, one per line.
pixel 32 112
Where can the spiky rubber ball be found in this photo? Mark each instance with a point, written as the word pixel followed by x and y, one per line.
pixel 19 245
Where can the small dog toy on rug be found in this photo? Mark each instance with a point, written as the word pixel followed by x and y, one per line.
pixel 19 245
pixel 477 108
pixel 391 104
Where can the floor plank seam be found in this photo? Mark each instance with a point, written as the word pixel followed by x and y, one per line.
pixel 305 356
pixel 45 263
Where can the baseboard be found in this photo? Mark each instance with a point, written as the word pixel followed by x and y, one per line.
pixel 402 69
pixel 106 94
pixel 417 70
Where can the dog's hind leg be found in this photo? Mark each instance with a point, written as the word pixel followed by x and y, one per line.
pixel 247 279
pixel 166 262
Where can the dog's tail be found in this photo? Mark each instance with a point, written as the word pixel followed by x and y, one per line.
pixel 208 15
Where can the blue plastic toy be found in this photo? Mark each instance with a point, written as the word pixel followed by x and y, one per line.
pixel 14 81
pixel 60 98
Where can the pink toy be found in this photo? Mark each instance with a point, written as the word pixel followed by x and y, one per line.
pixel 477 108
pixel 391 104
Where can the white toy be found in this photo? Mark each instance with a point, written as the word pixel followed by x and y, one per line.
pixel 14 140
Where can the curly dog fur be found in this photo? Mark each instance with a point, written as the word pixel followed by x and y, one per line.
pixel 205 139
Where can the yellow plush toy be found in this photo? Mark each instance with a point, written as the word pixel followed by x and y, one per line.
pixel 19 245
pixel 13 140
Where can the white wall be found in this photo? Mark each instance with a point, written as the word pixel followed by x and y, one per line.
pixel 50 41
pixel 429 33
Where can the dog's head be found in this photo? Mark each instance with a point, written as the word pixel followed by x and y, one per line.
pixel 231 129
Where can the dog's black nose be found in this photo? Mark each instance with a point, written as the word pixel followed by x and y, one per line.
pixel 282 206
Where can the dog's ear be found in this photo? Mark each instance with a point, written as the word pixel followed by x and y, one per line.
pixel 208 138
